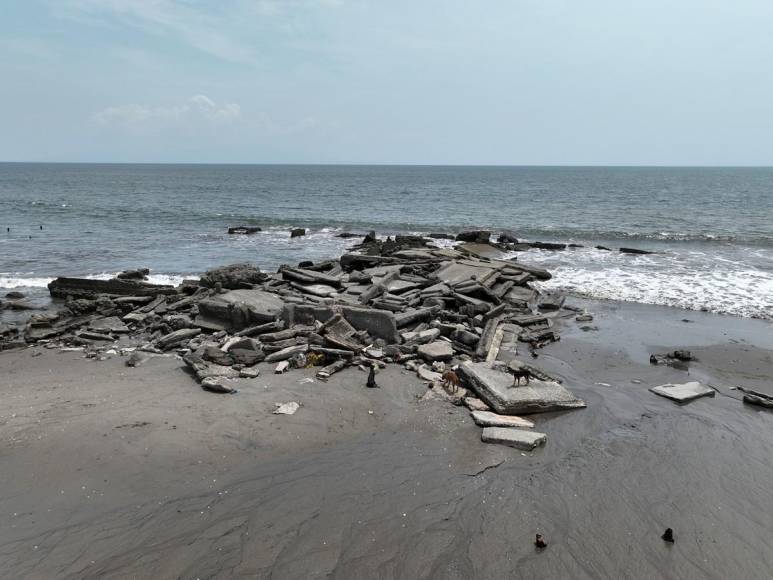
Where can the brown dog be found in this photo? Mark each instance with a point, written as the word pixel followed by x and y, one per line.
pixel 451 380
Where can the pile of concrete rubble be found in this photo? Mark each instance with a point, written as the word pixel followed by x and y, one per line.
pixel 403 300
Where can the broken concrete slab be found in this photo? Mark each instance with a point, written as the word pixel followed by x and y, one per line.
pixel 239 309
pixel 287 353
pixel 286 408
pixel 518 438
pixel 427 374
pixel 378 323
pixel 217 385
pixel 440 350
pixel 489 419
pixel 176 337
pixel 475 404
pixel 108 324
pixel 233 276
pixel 496 389
pixel 88 288
pixel 683 393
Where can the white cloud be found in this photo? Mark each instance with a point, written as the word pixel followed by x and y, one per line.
pixel 197 112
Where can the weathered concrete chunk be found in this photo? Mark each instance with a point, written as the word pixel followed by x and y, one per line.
pixel 177 337
pixel 518 438
pixel 108 324
pixel 683 393
pixel 489 419
pixel 378 323
pixel 217 385
pixel 479 236
pixel 440 350
pixel 287 353
pixel 88 288
pixel 239 309
pixel 496 389
pixel 233 276
pixel 475 404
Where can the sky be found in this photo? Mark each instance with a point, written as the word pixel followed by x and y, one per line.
pixel 511 82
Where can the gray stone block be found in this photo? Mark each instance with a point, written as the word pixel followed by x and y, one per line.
pixel 496 389
pixel 683 393
pixel 518 438
pixel 378 323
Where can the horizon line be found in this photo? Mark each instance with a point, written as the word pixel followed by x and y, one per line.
pixel 399 164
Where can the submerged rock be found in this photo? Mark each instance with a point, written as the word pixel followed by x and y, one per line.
pixel 244 230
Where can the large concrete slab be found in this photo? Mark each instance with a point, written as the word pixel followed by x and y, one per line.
pixel 489 419
pixel 440 350
pixel 239 309
pixel 378 323
pixel 518 438
pixel 496 389
pixel 683 393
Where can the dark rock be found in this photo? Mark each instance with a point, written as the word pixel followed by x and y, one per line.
pixel 668 535
pixel 297 232
pixel 507 237
pixel 90 289
pixel 176 337
pixel 247 357
pixel 548 246
pixel 244 230
pixel 138 274
pixel 347 235
pixel 212 353
pixel 552 302
pixel 604 248
pixel 476 236
pixel 233 277
pixel 306 264
pixel 13 295
pixel 370 237
pixel 440 236
pixel 634 251
pixel 137 359
pixel 18 305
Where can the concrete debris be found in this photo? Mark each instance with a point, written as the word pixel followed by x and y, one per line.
pixel 488 419
pixel 286 408
pixel 496 389
pixel 457 317
pixel 518 438
pixel 683 393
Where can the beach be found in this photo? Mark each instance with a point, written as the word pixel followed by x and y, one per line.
pixel 117 472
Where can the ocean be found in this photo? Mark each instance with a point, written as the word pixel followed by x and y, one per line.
pixel 712 227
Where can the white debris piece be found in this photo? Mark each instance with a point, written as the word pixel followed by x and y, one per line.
pixel 286 408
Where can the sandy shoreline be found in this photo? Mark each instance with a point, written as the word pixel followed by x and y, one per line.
pixel 117 472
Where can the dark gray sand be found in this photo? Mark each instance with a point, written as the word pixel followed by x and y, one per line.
pixel 115 472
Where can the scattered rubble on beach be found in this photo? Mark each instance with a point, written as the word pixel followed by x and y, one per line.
pixel 399 300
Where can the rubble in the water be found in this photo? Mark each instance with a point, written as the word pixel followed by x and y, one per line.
pixel 404 300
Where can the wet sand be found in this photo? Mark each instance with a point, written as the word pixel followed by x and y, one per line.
pixel 115 472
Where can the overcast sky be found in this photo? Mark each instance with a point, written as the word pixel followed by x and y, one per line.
pixel 419 81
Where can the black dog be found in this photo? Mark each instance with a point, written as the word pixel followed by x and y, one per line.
pixel 519 374
pixel 371 384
